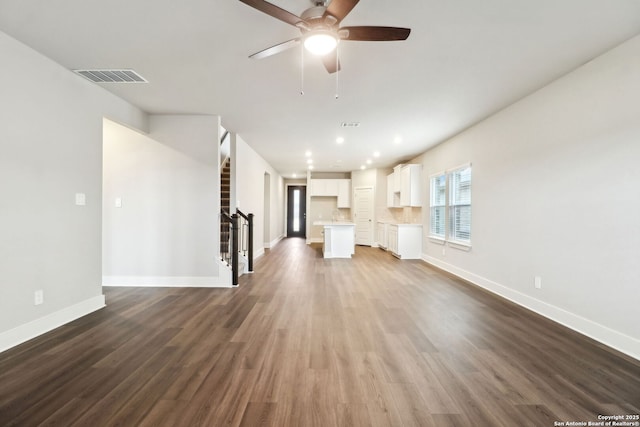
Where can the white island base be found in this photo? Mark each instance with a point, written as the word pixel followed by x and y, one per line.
pixel 339 239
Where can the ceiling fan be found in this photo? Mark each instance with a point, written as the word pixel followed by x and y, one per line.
pixel 321 31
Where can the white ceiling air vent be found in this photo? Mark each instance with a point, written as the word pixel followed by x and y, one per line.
pixel 350 124
pixel 112 76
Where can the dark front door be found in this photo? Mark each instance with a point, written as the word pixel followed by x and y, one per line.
pixel 296 211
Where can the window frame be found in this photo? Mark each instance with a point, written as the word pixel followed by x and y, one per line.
pixel 458 207
pixel 434 204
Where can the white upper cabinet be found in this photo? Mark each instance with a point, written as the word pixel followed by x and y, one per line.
pixel 340 188
pixel 344 193
pixel 410 188
pixel 324 187
pixel 404 186
pixel 393 197
pixel 397 178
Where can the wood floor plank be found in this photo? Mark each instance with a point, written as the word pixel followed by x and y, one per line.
pixel 308 341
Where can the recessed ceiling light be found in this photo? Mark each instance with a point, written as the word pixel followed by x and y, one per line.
pixel 397 139
pixel 310 167
pixel 368 161
pixel 307 153
pixel 363 167
pixel 309 161
pixel 295 175
pixel 339 140
pixel 376 154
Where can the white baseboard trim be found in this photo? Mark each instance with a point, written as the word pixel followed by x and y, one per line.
pixel 164 281
pixel 23 333
pixel 609 337
pixel 271 244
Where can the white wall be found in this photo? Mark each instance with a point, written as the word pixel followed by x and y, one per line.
pixel 166 232
pixel 249 169
pixel 556 194
pixel 50 149
pixel 364 178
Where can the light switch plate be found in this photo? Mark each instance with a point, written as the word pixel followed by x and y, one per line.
pixel 81 199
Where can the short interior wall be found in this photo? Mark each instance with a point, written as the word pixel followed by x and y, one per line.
pixel 161 203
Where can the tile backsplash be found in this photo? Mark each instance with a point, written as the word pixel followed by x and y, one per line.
pixel 407 215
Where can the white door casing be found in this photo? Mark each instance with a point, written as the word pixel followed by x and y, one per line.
pixel 363 215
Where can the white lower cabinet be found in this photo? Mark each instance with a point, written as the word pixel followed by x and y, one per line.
pixel 392 239
pixel 405 240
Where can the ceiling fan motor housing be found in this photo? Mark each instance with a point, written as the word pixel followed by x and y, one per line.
pixel 315 17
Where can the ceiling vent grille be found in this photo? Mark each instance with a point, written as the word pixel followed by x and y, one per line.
pixel 350 124
pixel 112 76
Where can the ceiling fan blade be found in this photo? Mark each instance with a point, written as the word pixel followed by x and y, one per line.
pixel 274 11
pixel 375 34
pixel 331 63
pixel 340 8
pixel 280 47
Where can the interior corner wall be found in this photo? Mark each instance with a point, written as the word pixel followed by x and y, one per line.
pixel 164 230
pixel 555 195
pixel 50 150
pixel 249 172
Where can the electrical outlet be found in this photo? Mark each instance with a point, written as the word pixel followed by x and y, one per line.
pixel 38 297
pixel 537 282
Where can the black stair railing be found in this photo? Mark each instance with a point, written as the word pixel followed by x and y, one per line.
pixel 229 243
pixel 246 236
pixel 236 237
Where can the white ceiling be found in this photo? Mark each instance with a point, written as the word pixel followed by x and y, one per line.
pixel 464 60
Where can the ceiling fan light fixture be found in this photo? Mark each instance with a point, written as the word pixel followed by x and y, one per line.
pixel 321 42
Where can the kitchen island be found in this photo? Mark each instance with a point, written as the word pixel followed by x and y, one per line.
pixel 339 238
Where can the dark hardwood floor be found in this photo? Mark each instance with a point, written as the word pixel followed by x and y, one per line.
pixel 311 342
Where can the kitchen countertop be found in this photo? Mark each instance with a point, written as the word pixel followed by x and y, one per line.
pixel 333 223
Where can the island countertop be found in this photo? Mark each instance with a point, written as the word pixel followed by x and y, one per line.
pixel 333 223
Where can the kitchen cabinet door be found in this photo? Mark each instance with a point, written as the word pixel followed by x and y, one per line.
pixel 410 186
pixel 344 193
pixel 392 236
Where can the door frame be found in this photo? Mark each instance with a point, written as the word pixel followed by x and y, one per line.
pixel 373 211
pixel 303 211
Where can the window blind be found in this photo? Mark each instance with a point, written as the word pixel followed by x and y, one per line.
pixel 460 204
pixel 437 205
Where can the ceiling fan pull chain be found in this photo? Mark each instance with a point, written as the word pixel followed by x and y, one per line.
pixel 337 71
pixel 302 69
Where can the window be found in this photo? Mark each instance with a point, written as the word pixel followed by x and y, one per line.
pixel 460 205
pixel 452 207
pixel 438 205
pixel 296 210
